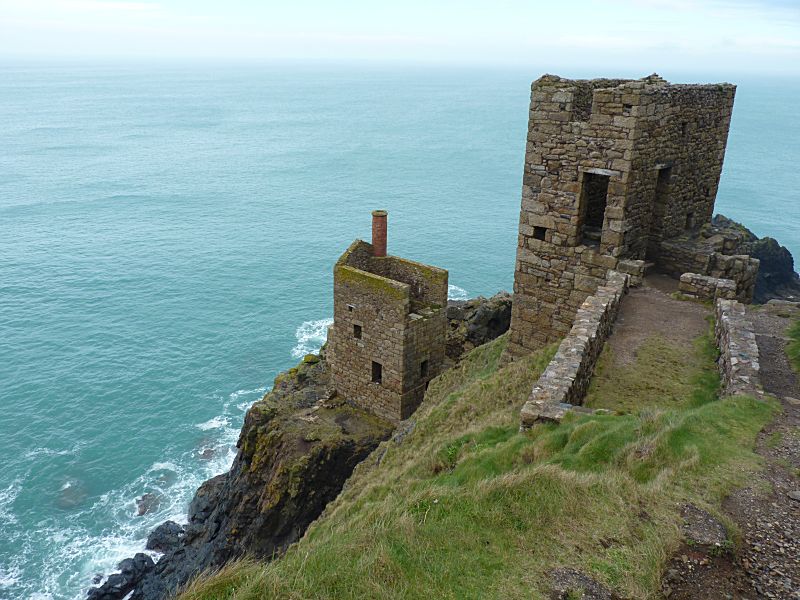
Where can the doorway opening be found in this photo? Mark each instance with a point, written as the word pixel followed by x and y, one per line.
pixel 594 198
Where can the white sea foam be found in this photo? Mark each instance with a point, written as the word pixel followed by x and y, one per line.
pixel 310 337
pixel 235 395
pixel 215 423
pixel 456 293
pixel 76 554
pixel 50 452
pixel 7 498
pixel 9 575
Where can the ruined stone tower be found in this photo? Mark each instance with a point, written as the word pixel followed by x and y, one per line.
pixel 618 173
pixel 387 340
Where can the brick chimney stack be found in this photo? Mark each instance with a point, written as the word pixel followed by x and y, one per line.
pixel 379 218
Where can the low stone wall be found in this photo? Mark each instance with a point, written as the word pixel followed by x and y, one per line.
pixel 738 350
pixel 704 287
pixel 565 381
pixel 688 254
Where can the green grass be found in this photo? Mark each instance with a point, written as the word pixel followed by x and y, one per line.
pixel 663 375
pixel 793 348
pixel 466 506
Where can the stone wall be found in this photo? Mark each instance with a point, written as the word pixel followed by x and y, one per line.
pixel 703 287
pixel 633 133
pixel 565 381
pixel 695 254
pixel 738 350
pixel 399 324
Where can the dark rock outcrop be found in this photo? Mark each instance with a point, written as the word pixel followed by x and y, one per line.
pixel 476 322
pixel 166 537
pixel 132 571
pixel 297 448
pixel 777 278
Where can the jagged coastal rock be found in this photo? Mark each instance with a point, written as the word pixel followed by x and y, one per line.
pixel 475 322
pixel 297 447
pixel 777 279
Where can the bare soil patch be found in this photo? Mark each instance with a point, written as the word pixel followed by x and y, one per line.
pixel 650 311
pixel 766 562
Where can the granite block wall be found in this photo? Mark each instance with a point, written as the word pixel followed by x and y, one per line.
pixel 657 148
pixel 565 381
pixel 738 350
pixel 387 312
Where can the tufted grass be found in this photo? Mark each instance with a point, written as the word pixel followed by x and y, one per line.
pixel 793 347
pixel 663 375
pixel 466 506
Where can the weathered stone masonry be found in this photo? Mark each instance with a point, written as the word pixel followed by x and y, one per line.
pixel 738 349
pixel 388 337
pixel 565 381
pixel 614 170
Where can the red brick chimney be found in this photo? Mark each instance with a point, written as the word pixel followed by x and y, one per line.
pixel 379 232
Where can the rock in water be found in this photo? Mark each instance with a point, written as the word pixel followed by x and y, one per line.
pixel 147 503
pixel 118 585
pixel 165 537
pixel 296 450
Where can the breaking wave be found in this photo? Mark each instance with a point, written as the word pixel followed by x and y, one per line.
pixel 310 337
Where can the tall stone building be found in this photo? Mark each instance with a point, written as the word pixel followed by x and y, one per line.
pixel 618 173
pixel 389 326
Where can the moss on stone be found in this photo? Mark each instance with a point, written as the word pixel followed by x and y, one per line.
pixel 373 283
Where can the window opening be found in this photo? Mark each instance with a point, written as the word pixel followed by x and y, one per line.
pixel 377 372
pixel 594 197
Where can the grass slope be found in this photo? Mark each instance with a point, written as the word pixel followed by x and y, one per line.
pixel 793 348
pixel 466 506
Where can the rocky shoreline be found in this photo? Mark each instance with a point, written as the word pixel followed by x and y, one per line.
pixel 300 443
pixel 297 447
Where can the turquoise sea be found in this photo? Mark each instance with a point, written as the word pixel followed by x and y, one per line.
pixel 166 242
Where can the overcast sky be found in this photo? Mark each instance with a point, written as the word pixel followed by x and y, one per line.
pixel 641 35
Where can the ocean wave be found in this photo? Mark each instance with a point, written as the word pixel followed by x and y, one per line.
pixel 9 575
pixel 235 395
pixel 215 423
pixel 7 498
pixel 310 337
pixel 43 451
pixel 456 293
pixel 76 553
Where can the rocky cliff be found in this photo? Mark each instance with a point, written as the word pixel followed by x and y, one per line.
pixel 297 447
pixel 777 278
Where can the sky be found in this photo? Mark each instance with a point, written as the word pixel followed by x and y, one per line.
pixel 652 35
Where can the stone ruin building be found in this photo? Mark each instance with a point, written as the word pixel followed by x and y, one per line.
pixel 620 175
pixel 389 327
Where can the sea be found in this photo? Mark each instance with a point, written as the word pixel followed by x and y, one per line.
pixel 167 236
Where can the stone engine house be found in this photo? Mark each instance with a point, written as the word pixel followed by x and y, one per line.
pixel 619 175
pixel 387 340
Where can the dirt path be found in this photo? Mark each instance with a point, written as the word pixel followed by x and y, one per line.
pixel 767 561
pixel 649 311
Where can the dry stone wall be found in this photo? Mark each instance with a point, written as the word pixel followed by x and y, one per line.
pixel 703 287
pixel 738 350
pixel 701 256
pixel 565 381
